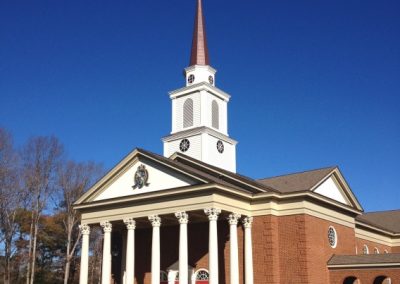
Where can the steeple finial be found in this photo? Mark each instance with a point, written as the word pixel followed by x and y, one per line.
pixel 199 55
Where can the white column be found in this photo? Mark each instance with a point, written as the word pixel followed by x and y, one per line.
pixel 130 250
pixel 183 218
pixel 155 249
pixel 106 269
pixel 212 214
pixel 234 250
pixel 248 250
pixel 85 231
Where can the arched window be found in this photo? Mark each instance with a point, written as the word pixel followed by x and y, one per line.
pixel 188 113
pixel 385 251
pixel 202 275
pixel 376 251
pixel 365 249
pixel 214 114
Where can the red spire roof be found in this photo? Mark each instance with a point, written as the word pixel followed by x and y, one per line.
pixel 199 55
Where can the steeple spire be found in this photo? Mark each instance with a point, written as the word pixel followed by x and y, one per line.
pixel 199 55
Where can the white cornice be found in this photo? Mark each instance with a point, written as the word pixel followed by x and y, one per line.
pixel 367 265
pixel 194 67
pixel 202 86
pixel 196 131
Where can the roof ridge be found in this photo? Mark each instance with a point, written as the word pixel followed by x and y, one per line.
pixel 296 173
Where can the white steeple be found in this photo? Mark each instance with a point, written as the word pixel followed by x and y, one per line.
pixel 200 109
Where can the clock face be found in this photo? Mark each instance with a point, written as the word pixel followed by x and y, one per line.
pixel 191 79
pixel 211 80
pixel 184 145
pixel 220 146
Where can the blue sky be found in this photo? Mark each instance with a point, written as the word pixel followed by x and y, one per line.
pixel 313 83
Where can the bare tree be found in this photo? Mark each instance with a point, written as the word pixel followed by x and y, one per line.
pixel 96 248
pixel 41 157
pixel 73 180
pixel 11 198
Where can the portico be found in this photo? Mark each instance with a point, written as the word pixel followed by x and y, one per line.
pixel 182 220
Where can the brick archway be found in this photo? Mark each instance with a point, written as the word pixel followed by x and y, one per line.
pixel 382 280
pixel 351 280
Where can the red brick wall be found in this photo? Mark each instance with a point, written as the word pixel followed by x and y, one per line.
pixel 292 249
pixel 295 249
pixel 318 249
pixel 395 249
pixel 266 249
pixel 365 276
pixel 371 246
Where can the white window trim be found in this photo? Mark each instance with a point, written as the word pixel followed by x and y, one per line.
pixel 365 249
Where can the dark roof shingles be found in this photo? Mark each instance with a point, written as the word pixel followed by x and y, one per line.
pixel 386 220
pixel 297 182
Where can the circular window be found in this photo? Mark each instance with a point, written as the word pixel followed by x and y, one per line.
pixel 190 79
pixel 332 237
pixel 211 80
pixel 184 145
pixel 220 146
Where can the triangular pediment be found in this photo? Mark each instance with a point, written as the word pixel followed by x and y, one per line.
pixel 120 181
pixel 330 188
pixel 334 187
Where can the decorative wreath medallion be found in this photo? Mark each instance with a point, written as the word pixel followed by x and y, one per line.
pixel 220 146
pixel 141 177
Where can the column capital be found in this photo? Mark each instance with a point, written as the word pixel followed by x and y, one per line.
pixel 233 218
pixel 247 222
pixel 130 223
pixel 212 213
pixel 107 226
pixel 155 220
pixel 85 229
pixel 182 216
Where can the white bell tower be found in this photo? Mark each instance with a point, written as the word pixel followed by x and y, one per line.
pixel 200 110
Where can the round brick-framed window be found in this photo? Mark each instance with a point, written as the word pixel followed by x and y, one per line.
pixel 332 237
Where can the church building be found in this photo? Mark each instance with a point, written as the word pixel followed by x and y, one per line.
pixel 188 217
